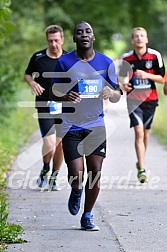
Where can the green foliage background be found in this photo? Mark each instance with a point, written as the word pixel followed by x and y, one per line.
pixel 22 25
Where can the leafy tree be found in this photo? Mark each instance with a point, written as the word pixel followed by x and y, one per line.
pixel 5 12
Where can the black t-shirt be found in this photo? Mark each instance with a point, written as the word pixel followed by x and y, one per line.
pixel 41 63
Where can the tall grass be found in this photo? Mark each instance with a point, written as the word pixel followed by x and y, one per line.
pixel 15 131
pixel 19 124
pixel 160 120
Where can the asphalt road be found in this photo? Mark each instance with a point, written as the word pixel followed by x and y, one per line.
pixel 132 217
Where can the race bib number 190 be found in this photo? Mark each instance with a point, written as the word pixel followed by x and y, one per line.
pixel 90 88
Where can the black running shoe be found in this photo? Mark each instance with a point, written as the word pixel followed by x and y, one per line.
pixel 53 184
pixel 43 178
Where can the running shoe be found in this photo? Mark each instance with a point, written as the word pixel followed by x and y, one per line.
pixel 87 222
pixel 43 178
pixel 74 201
pixel 141 174
pixel 53 184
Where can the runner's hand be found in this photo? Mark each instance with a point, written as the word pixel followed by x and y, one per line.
pixel 106 93
pixel 141 74
pixel 36 88
pixel 127 87
pixel 73 97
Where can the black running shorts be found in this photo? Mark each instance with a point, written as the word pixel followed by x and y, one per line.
pixel 84 142
pixel 142 115
pixel 49 124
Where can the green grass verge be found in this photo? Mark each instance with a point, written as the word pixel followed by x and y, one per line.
pixel 18 126
pixel 15 131
pixel 159 125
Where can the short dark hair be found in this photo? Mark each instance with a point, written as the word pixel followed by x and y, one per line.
pixel 79 24
pixel 54 29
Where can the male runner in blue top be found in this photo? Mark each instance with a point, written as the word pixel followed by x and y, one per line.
pixel 83 78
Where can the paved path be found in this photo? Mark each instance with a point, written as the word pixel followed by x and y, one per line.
pixel 132 217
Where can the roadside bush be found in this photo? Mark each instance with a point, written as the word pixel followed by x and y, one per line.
pixel 8 87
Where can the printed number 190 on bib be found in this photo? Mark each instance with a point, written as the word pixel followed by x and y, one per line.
pixel 90 88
